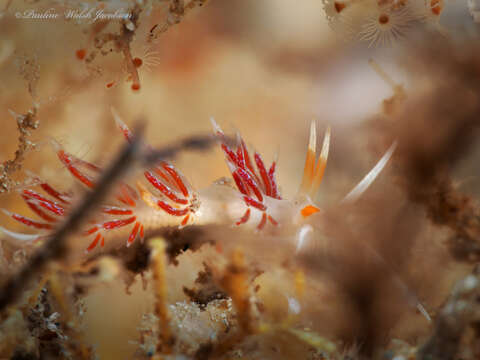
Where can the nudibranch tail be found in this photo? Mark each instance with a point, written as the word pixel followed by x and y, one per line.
pixel 365 183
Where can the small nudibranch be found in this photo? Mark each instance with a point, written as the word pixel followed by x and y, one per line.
pixel 164 197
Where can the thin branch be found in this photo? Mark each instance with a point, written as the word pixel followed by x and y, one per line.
pixel 192 143
pixel 54 247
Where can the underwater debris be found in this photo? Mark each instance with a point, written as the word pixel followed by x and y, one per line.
pixel 25 123
pixel 177 9
pixel 122 43
pixel 207 289
pixel 474 9
pixel 462 310
pixel 424 166
pixel 35 329
pixel 235 283
pixel 391 105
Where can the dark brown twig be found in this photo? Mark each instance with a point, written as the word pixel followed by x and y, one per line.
pixel 54 247
pixel 192 143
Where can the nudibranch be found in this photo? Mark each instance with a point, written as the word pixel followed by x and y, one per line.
pixel 164 197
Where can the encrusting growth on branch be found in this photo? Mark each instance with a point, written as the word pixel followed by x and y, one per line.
pixel 25 123
pixel 158 261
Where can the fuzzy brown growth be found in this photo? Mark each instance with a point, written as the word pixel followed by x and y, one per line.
pixel 435 131
pixel 122 43
pixel 29 69
pixel 235 283
pixel 25 123
pixel 206 291
pixel 176 12
pixel 461 311
pixel 159 263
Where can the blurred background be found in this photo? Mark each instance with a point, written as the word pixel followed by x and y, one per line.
pixel 263 68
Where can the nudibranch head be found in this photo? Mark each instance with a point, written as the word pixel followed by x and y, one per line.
pixel 313 173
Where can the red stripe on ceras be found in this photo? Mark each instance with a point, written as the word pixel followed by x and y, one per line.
pixel 113 210
pixel 133 234
pixel 88 165
pixel 37 210
pixel 32 223
pixel 94 242
pixel 271 176
pixel 241 159
pixel 163 188
pixel 245 176
pixel 171 210
pixel 262 222
pixel 125 195
pixel 248 162
pixel 66 159
pixel 254 203
pixel 114 224
pixel 185 220
pixel 230 154
pixel 240 185
pixel 50 205
pixel 91 231
pixel 165 177
pixel 174 174
pixel 263 174
pixel 52 192
pixel 272 220
pixel 244 218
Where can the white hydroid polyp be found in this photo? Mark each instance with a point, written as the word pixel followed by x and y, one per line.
pixel 384 25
